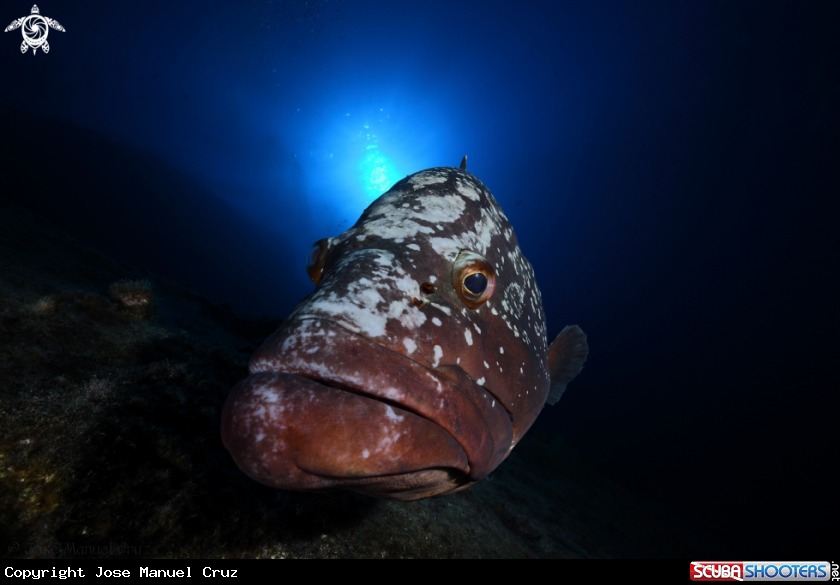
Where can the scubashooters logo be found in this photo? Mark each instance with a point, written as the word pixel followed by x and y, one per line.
pixel 762 571
pixel 35 29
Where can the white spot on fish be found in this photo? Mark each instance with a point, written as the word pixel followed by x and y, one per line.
pixel 436 321
pixel 394 394
pixel 409 344
pixel 467 191
pixel 436 381
pixel 438 355
pixel 392 416
pixel 501 350
pixel 477 328
pixel 365 454
pixel 486 365
pixel 413 247
pixel 424 179
pixel 468 335
pixel 480 381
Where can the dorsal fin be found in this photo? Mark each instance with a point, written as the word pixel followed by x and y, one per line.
pixel 464 163
pixel 566 355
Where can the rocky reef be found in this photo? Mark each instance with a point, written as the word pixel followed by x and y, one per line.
pixel 112 382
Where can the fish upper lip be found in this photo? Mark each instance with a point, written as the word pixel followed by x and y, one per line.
pixel 488 390
pixel 351 390
pixel 464 412
pixel 398 355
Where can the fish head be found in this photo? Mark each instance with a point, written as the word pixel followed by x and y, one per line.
pixel 417 363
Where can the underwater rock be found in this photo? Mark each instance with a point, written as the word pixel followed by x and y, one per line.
pixel 136 296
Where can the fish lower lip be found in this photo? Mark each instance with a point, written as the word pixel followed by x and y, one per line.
pixel 350 362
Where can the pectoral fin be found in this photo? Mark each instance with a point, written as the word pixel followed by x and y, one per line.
pixel 566 355
pixel 464 163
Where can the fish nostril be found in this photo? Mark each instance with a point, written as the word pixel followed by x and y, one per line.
pixel 417 302
pixel 427 288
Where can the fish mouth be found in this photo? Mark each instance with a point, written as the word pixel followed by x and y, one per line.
pixel 430 430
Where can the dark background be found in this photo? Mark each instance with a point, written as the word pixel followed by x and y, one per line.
pixel 671 169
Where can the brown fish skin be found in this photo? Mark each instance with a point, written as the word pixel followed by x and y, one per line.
pixel 389 334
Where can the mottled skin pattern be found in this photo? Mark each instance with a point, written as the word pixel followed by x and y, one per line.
pixel 374 385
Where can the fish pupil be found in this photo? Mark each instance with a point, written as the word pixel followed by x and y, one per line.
pixel 475 283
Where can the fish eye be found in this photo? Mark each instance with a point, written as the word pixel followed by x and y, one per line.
pixel 312 259
pixel 473 278
pixel 315 259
